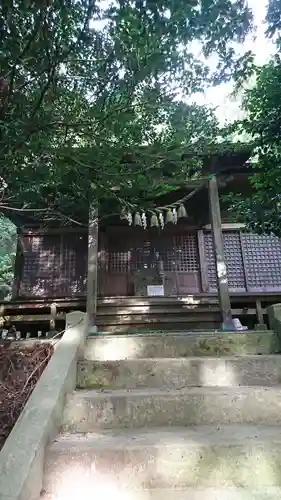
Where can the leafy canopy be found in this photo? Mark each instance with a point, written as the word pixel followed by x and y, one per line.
pixel 8 244
pixel 262 211
pixel 86 84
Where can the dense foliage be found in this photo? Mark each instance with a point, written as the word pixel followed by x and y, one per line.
pixel 8 243
pixel 82 82
pixel 262 211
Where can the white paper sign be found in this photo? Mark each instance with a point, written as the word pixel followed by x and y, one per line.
pixel 155 290
pixel 238 326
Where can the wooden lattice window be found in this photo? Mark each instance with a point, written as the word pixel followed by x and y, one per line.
pixel 262 256
pixel 210 259
pixel 119 262
pixel 233 258
pixel 41 265
pixel 186 253
pixel 30 265
pixel 74 264
pixel 176 252
pixel 119 253
pixel 145 250
pixel 119 258
pixel 54 265
pixel 234 261
pixel 145 254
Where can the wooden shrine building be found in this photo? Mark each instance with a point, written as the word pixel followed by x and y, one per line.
pixel 200 260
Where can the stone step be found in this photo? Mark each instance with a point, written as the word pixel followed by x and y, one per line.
pixel 175 345
pixel 158 326
pixel 199 457
pixel 104 409
pixel 175 308
pixel 170 316
pixel 271 493
pixel 180 372
pixel 135 301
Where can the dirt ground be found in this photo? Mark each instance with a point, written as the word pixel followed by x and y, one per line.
pixel 20 369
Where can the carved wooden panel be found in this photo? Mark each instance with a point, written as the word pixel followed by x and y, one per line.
pixel 262 256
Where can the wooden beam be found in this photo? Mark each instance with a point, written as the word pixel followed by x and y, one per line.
pixel 30 231
pixel 222 281
pixel 92 275
pixel 33 318
pixel 228 226
pixel 115 313
pixel 9 307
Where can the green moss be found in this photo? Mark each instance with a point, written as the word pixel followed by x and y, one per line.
pixel 87 384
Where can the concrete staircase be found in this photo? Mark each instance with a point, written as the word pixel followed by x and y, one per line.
pixel 171 417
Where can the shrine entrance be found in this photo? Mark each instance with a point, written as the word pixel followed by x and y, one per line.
pixel 139 258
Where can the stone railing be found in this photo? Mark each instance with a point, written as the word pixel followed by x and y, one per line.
pixel 274 318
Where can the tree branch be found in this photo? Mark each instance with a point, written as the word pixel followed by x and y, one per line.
pixel 40 210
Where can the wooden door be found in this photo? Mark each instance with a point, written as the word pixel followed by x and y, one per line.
pixel 178 251
pixel 133 251
pixel 186 263
pixel 116 267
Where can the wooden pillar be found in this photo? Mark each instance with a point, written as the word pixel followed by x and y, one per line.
pixel 261 325
pixel 222 281
pixel 92 278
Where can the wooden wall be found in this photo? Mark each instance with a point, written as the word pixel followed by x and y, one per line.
pixel 54 264
pixel 253 262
